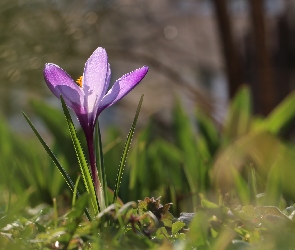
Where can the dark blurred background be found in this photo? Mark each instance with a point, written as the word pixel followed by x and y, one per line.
pixel 198 50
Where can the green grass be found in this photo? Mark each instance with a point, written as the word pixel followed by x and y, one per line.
pixel 238 181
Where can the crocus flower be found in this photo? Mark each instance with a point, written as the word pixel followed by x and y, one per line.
pixel 88 96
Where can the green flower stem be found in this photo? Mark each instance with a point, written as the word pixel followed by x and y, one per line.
pixel 100 162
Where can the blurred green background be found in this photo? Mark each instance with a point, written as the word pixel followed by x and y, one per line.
pixel 200 53
pixel 215 134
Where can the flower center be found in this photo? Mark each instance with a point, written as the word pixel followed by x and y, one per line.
pixel 79 81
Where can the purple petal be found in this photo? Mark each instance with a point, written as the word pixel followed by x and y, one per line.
pixel 60 83
pixel 107 80
pixel 122 87
pixel 95 80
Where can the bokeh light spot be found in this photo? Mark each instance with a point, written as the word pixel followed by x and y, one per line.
pixel 91 17
pixel 170 32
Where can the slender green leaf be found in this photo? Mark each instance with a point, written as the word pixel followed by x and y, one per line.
pixel 55 161
pixel 239 116
pixel 252 182
pixel 52 156
pixel 75 190
pixel 208 131
pixel 53 119
pixel 55 213
pixel 126 150
pixel 208 204
pixel 85 171
pixel 241 187
pixel 186 141
pixel 101 167
pixel 282 115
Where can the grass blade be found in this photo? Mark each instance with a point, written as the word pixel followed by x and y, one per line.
pixel 239 115
pixel 126 150
pixel 85 171
pixel 185 140
pixel 281 116
pixel 52 156
pixel 209 131
pixel 63 172
pixel 75 190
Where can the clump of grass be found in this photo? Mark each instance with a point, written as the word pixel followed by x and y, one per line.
pixel 229 188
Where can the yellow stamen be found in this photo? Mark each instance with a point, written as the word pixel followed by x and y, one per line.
pixel 79 81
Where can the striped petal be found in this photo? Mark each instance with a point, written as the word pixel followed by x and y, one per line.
pixel 122 87
pixel 60 83
pixel 95 81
